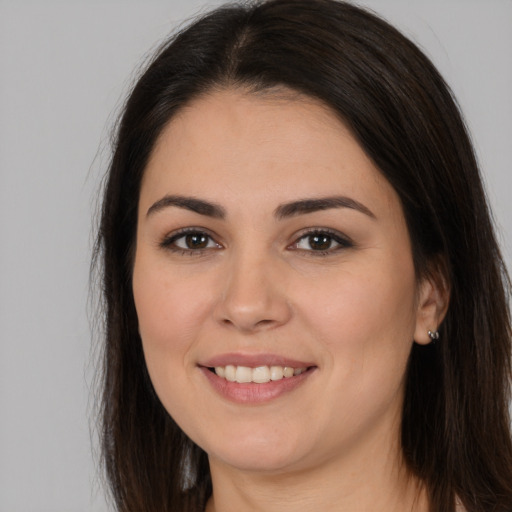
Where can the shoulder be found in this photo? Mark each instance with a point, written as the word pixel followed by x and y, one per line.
pixel 459 507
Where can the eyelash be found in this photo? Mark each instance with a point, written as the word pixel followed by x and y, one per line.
pixel 169 243
pixel 343 241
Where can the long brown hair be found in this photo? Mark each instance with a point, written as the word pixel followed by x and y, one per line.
pixel 456 426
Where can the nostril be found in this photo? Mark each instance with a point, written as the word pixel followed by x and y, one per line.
pixel 264 322
pixel 248 326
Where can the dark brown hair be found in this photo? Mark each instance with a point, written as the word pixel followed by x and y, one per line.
pixel 456 427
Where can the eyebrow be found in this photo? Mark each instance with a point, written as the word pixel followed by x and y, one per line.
pixel 188 203
pixel 292 209
pixel 304 206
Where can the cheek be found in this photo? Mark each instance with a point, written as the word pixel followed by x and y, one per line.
pixel 170 310
pixel 366 317
pixel 366 323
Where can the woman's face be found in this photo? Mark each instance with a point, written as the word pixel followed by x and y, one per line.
pixel 269 244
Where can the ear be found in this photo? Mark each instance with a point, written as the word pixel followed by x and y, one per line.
pixel 433 300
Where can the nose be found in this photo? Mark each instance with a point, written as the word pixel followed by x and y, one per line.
pixel 253 294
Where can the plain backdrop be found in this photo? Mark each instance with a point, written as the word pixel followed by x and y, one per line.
pixel 64 68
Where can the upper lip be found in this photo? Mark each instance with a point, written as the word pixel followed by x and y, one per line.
pixel 254 360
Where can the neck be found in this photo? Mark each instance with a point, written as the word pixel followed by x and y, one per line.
pixel 362 483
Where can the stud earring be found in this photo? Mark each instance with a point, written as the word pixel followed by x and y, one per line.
pixel 433 335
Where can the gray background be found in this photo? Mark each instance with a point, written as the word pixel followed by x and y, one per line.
pixel 64 67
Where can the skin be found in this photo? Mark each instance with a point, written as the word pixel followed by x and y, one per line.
pixel 259 286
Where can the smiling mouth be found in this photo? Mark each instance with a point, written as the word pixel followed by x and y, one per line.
pixel 258 375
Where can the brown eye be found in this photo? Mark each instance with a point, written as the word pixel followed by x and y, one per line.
pixel 190 242
pixel 320 242
pixel 196 241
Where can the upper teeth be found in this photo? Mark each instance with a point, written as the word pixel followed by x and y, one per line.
pixel 259 375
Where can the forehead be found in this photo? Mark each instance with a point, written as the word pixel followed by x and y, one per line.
pixel 232 143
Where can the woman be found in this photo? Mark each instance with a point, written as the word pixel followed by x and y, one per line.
pixel 305 303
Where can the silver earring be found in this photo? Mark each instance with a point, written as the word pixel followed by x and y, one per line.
pixel 433 335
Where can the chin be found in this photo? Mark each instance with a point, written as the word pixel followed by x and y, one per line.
pixel 267 461
pixel 262 453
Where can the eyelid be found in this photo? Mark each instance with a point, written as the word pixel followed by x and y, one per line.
pixel 343 241
pixel 168 241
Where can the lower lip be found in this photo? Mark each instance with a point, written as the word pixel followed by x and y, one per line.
pixel 251 392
